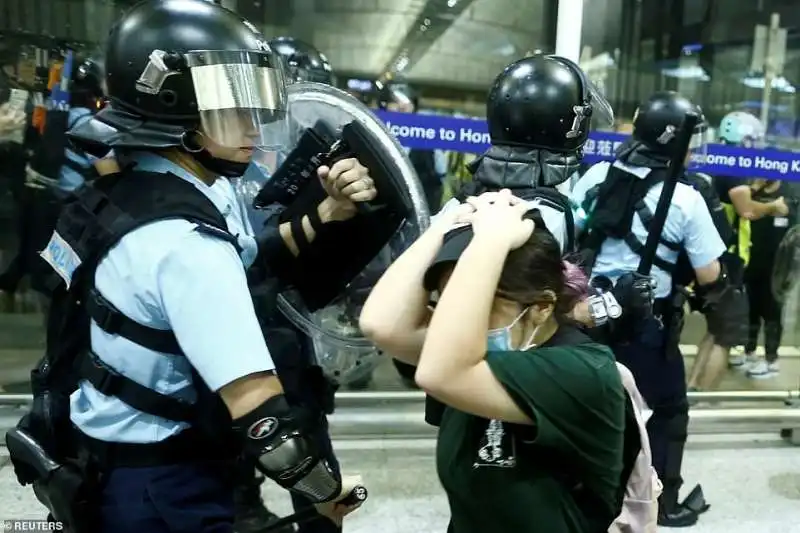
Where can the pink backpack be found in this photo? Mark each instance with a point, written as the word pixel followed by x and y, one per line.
pixel 640 505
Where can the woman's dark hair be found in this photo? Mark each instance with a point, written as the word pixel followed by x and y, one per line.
pixel 537 267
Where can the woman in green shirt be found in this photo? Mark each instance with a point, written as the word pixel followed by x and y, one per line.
pixel 532 438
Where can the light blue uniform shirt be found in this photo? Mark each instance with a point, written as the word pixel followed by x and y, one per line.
pixel 68 178
pixel 166 275
pixel 688 222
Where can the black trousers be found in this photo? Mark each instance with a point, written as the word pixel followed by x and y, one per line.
pixel 661 379
pixel 764 309
pixel 196 497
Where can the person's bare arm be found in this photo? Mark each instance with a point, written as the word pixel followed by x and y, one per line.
pixel 396 314
pixel 708 274
pixel 325 211
pixel 243 395
pixel 580 314
pixel 346 182
pixel 749 209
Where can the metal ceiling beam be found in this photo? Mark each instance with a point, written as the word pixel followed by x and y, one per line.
pixel 431 23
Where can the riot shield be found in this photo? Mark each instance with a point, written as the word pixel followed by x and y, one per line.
pixel 325 297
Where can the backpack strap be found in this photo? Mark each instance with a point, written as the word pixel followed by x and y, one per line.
pixel 118 205
pixel 596 238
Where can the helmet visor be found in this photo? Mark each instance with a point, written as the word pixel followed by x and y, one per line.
pixel 602 117
pixel 241 96
pixel 698 145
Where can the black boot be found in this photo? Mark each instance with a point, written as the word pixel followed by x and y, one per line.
pixel 696 501
pixel 252 516
pixel 674 514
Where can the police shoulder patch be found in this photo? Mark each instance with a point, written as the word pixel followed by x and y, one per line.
pixel 61 257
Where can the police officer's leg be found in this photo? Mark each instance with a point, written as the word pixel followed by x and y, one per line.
pixel 168 499
pixel 660 376
pixel 320 525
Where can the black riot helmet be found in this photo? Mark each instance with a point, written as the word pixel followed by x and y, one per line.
pixel 303 61
pixel 192 75
pixel 544 102
pixel 539 113
pixel 398 93
pixel 87 86
pixel 657 121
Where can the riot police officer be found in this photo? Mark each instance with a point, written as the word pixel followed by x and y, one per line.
pixel 150 285
pixel 303 61
pixel 615 203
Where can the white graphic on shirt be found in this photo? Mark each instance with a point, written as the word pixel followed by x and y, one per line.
pixel 497 447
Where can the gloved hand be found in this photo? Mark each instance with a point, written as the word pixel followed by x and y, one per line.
pixel 635 293
pixel 335 511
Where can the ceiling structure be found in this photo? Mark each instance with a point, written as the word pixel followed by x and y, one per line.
pixel 440 42
pixel 443 42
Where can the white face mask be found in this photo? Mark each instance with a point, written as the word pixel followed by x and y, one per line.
pixel 499 340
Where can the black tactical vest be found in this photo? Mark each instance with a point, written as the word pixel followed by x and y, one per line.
pixel 93 220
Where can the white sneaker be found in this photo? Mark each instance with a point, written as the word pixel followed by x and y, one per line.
pixel 742 362
pixel 763 370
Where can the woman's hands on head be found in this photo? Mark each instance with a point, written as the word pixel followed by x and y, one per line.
pixel 452 215
pixel 499 216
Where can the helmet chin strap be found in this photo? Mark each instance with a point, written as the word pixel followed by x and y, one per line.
pixel 216 165
pixel 221 167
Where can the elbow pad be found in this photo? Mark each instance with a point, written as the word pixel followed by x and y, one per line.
pixel 273 435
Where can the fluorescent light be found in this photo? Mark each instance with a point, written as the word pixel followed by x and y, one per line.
pixel 779 83
pixel 693 72
pixel 451 3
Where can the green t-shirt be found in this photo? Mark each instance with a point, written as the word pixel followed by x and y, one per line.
pixel 506 478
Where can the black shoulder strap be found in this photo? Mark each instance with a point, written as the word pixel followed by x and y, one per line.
pixel 596 238
pixel 131 201
pixel 120 204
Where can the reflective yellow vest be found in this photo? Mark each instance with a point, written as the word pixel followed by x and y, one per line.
pixel 742 228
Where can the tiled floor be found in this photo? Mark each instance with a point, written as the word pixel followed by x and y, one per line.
pixel 752 487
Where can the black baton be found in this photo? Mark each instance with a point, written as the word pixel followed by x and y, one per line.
pixel 357 495
pixel 683 141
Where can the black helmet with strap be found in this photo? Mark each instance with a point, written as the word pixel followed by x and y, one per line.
pixel 303 61
pixel 658 119
pixel 181 69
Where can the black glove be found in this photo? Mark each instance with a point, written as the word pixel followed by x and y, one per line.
pixel 635 293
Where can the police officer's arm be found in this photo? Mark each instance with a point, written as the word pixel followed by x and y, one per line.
pixel 346 182
pixel 749 209
pixel 204 296
pixel 701 241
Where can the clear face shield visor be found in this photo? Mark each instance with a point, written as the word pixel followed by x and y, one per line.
pixel 698 146
pixel 602 114
pixel 241 96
